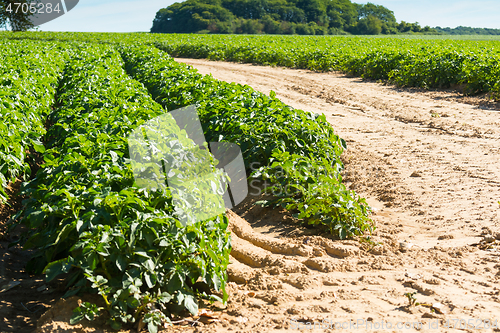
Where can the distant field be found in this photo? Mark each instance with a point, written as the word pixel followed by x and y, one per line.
pixel 442 61
pixel 444 37
pixel 429 62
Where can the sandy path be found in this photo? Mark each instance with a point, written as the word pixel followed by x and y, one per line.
pixel 430 163
pixel 452 148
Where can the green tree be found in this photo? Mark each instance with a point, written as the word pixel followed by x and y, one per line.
pixel 189 16
pixel 378 11
pixel 375 19
pixel 304 29
pixel 341 13
pixel 271 26
pixel 315 10
pixel 287 28
pixel 305 17
pixel 250 27
pixel 406 27
pixel 223 28
pixel 370 25
pixel 17 21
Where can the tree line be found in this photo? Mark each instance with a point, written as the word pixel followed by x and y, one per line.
pixel 303 17
pixel 460 30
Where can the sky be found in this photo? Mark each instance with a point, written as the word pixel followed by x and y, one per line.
pixel 445 13
pixel 138 15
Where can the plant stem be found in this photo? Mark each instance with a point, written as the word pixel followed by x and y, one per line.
pixel 104 267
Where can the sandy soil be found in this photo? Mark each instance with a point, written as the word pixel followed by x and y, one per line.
pixel 426 161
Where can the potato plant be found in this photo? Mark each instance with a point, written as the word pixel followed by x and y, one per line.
pixel 427 63
pixel 89 221
pixel 29 74
pixel 415 61
pixel 271 134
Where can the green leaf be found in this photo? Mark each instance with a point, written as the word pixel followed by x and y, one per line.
pixel 165 297
pixel 114 324
pixel 149 265
pixel 77 316
pixel 142 253
pixel 343 233
pixel 36 219
pixel 102 249
pixel 217 282
pixel 175 283
pixel 64 232
pixel 114 156
pixel 150 280
pixel 79 225
pixel 164 243
pixel 263 203
pixel 55 268
pixel 38 146
pixel 121 262
pixel 133 303
pixel 190 304
pixel 71 292
pixel 93 260
pixel 152 328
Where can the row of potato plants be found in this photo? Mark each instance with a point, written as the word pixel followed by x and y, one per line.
pixel 297 151
pixel 29 74
pixel 427 62
pixel 92 225
pixel 422 63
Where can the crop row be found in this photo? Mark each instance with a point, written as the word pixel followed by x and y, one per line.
pixel 473 65
pixel 296 150
pixel 29 74
pixel 405 62
pixel 88 219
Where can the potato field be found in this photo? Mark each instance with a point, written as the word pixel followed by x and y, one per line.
pixel 69 101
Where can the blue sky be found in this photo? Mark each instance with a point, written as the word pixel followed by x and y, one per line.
pixel 138 15
pixel 445 13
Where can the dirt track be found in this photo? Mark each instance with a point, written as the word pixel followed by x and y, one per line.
pixel 427 162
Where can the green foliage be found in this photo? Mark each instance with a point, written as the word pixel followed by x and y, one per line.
pixel 380 12
pixel 430 61
pixel 412 299
pixel 406 27
pixel 189 16
pixel 88 220
pixel 373 20
pixel 269 133
pixel 29 75
pixel 305 17
pixel 405 62
pixel 314 189
pixel 91 223
pixel 370 25
pixel 461 30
